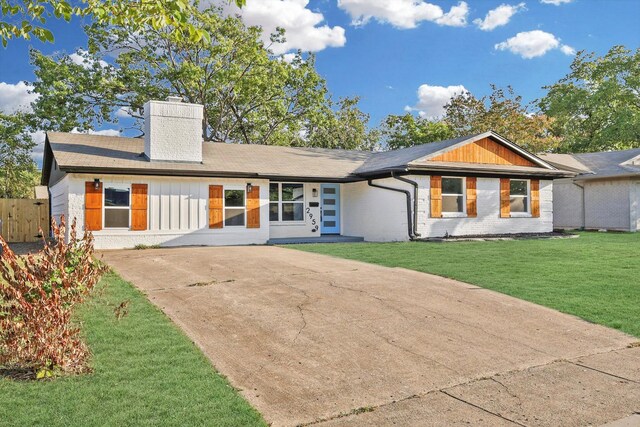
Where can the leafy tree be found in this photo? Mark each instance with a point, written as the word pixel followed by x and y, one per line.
pixel 26 18
pixel 504 113
pixel 408 130
pixel 249 96
pixel 345 127
pixel 18 172
pixel 596 106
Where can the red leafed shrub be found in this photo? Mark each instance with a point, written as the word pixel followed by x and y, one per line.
pixel 37 296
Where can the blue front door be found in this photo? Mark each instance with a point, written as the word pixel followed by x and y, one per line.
pixel 330 198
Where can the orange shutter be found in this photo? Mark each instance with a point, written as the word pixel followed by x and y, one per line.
pixel 535 198
pixel 436 196
pixel 472 205
pixel 92 206
pixel 138 207
pixel 215 206
pixel 505 196
pixel 253 207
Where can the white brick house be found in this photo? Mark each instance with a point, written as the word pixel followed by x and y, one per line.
pixel 172 189
pixel 604 193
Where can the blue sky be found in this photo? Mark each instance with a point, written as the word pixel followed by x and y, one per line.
pixel 402 54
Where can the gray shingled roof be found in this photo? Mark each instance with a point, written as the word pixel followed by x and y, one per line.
pixel 92 153
pixel 82 152
pixel 402 157
pixel 605 164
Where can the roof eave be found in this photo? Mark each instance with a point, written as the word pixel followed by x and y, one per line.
pixel 491 171
pixel 204 174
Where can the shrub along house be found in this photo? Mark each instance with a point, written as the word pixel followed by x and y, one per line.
pixel 170 188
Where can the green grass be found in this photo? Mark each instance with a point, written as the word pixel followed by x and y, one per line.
pixel 146 372
pixel 595 276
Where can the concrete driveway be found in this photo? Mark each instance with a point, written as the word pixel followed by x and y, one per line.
pixel 311 339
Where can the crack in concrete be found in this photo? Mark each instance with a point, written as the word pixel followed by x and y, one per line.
pixel 299 307
pixel 507 390
pixel 377 298
pixel 603 372
pixel 483 409
pixel 471 381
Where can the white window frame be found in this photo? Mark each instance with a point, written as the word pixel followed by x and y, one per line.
pixel 280 202
pixel 528 196
pixel 464 199
pixel 119 186
pixel 224 205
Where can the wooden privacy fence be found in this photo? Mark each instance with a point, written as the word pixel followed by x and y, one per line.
pixel 22 218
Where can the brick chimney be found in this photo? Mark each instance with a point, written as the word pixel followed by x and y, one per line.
pixel 173 130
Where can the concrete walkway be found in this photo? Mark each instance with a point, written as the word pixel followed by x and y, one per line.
pixel 311 339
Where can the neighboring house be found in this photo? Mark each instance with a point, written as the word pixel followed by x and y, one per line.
pixel 605 193
pixel 170 188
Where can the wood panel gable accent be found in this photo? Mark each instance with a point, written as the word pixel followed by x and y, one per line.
pixel 92 206
pixel 215 206
pixel 139 207
pixel 485 151
pixel 253 207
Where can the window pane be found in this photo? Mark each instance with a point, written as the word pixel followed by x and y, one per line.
pixel 329 223
pixel 116 218
pixel 273 211
pixel 452 203
pixel 519 204
pixel 518 187
pixel 233 217
pixel 292 192
pixel 451 185
pixel 292 212
pixel 329 213
pixel 233 198
pixel 329 190
pixel 329 202
pixel 273 192
pixel 116 196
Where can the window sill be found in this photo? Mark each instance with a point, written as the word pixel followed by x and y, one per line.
pixel 520 215
pixel 283 223
pixel 454 215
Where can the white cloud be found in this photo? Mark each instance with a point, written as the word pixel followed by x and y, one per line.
pixel 456 17
pixel 38 151
pixel 303 26
pixel 105 132
pixel 531 44
pixel 15 97
pixel 432 99
pixel 555 2
pixel 403 13
pixel 79 58
pixel 498 16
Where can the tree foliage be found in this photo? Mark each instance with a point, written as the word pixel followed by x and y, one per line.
pixel 504 113
pixel 18 173
pixel 27 18
pixel 249 96
pixel 408 130
pixel 596 106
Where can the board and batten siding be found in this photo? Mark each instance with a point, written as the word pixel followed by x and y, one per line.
pixel 178 212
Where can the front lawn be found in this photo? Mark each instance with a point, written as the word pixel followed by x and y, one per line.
pixel 146 372
pixel 596 276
